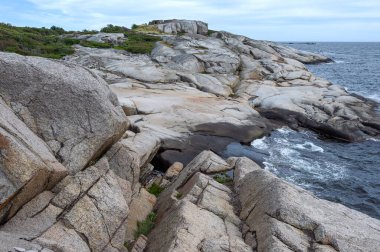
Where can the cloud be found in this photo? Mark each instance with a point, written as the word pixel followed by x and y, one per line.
pixel 248 17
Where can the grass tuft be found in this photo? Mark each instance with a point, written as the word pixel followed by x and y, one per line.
pixel 145 226
pixel 155 189
pixel 178 195
pixel 223 178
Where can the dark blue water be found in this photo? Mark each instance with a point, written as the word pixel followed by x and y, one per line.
pixel 340 172
pixel 356 67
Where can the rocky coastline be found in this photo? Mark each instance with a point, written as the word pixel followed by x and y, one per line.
pixel 84 139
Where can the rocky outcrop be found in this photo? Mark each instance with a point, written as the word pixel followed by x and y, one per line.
pixel 27 166
pixel 283 217
pixel 73 179
pixel 84 212
pixel 101 37
pixel 227 73
pixel 175 26
pixel 201 218
pixel 69 107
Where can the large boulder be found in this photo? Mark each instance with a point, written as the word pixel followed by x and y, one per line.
pixel 69 107
pixel 84 212
pixel 27 166
pixel 283 217
pixel 201 218
pixel 175 26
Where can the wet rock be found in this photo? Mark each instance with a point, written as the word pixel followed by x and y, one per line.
pixel 68 106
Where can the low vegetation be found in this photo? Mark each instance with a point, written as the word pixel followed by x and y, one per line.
pixel 52 42
pixel 34 41
pixel 145 28
pixel 178 195
pixel 145 226
pixel 155 189
pixel 139 43
pixel 114 29
pixel 223 178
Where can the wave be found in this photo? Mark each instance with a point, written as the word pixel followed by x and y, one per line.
pixel 375 97
pixel 260 144
pixel 310 147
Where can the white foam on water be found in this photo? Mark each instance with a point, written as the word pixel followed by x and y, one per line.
pixel 310 147
pixel 285 130
pixel 375 97
pixel 260 144
pixel 287 158
pixel 374 139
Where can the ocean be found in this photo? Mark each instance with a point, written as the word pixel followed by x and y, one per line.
pixel 347 173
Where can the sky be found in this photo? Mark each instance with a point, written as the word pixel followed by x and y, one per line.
pixel 277 20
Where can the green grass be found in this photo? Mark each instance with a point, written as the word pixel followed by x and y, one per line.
pixel 145 226
pixel 155 189
pixel 94 44
pixel 42 42
pixel 139 43
pixel 223 178
pixel 178 195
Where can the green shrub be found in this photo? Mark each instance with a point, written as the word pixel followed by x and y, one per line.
pixel 34 41
pixel 94 44
pixel 178 195
pixel 134 26
pixel 155 189
pixel 114 29
pixel 139 43
pixel 145 226
pixel 223 178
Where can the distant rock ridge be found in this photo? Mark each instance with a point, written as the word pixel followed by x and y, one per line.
pixel 174 26
pixel 107 150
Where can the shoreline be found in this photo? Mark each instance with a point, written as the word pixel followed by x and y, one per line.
pixel 84 138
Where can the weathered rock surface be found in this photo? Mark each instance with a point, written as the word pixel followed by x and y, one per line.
pixel 101 37
pixel 129 156
pixel 27 166
pixel 267 76
pixel 202 218
pixel 175 26
pixel 69 107
pixel 193 93
pixel 284 217
pixel 141 206
pixel 84 212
